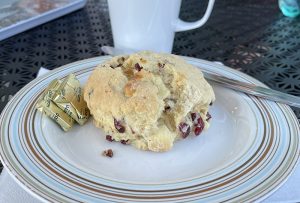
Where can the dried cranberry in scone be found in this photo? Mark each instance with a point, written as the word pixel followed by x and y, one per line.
pixel 119 126
pixel 109 138
pixel 161 65
pixel 185 129
pixel 208 116
pixel 195 117
pixel 198 130
pixel 138 67
pixel 199 127
pixel 124 142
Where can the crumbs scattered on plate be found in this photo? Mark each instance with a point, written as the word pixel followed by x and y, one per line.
pixel 108 153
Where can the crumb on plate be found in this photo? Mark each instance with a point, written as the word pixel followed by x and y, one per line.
pixel 108 153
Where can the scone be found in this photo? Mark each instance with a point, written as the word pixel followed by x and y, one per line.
pixel 149 100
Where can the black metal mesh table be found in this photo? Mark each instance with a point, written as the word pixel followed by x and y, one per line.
pixel 251 36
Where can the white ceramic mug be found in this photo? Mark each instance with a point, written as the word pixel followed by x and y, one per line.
pixel 149 24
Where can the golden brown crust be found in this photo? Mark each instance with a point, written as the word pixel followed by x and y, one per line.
pixel 149 95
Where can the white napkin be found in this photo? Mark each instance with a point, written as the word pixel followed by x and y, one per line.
pixel 42 71
pixel 11 192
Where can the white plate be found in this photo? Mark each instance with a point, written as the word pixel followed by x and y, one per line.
pixel 250 149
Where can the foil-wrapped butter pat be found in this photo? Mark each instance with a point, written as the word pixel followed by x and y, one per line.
pixel 47 106
pixel 51 110
pixel 69 97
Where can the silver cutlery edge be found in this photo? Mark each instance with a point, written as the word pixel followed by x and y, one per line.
pixel 255 90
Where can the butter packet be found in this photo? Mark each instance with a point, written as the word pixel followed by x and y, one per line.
pixel 47 106
pixel 69 97
pixel 51 110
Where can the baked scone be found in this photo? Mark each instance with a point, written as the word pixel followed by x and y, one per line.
pixel 149 100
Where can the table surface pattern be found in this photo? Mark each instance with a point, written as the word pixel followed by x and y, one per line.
pixel 251 36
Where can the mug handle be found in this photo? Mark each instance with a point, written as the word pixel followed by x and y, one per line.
pixel 183 26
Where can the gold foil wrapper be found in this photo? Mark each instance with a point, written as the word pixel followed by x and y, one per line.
pixel 63 102
pixel 51 110
pixel 47 106
pixel 69 97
